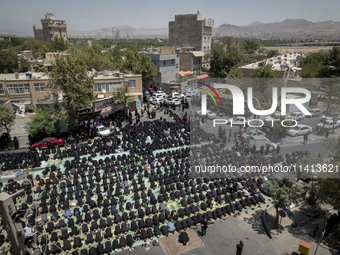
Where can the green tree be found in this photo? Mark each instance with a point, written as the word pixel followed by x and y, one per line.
pixel 23 65
pixel 42 124
pixel 313 64
pixel 39 67
pixel 250 46
pixel 138 64
pixel 7 118
pixel 58 44
pixel 71 78
pixel 235 73
pixel 222 61
pixel 121 96
pixel 8 61
pixel 93 57
pixel 284 192
pixel 264 70
pixel 272 53
pixel 35 46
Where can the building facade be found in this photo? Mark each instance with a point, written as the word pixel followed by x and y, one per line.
pixel 51 28
pixel 191 31
pixel 167 63
pixel 28 90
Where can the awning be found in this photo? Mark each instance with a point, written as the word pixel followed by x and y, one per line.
pixel 184 73
pixel 202 76
pixel 198 54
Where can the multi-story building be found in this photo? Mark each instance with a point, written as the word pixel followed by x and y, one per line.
pixel 51 28
pixel 27 90
pixel 167 62
pixel 191 30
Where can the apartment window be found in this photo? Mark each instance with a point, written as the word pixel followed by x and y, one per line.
pixel 39 87
pixel 18 89
pixel 132 84
pixel 2 91
pixel 108 87
pixel 172 61
pixel 164 62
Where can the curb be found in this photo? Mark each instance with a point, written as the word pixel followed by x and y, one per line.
pixel 310 140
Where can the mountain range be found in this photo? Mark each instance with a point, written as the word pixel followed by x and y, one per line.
pixel 289 27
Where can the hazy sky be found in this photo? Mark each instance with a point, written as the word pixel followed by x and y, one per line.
pixel 18 16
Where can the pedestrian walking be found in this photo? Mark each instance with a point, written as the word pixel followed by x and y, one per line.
pixel 326 135
pixel 315 230
pixel 305 138
pixel 204 227
pixel 16 143
pixel 239 248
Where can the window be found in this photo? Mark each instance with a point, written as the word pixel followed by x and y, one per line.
pixel 164 62
pixel 39 87
pixel 2 91
pixel 132 84
pixel 108 87
pixel 172 61
pixel 18 89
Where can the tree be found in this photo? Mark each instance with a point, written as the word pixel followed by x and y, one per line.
pixel 121 96
pixel 42 124
pixel 222 61
pixel 35 46
pixel 58 44
pixel 7 118
pixel 71 78
pixel 40 67
pixel 250 46
pixel 93 57
pixel 284 192
pixel 8 61
pixel 264 70
pixel 138 64
pixel 314 64
pixel 272 53
pixel 235 73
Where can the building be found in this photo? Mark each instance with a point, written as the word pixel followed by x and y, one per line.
pixel 286 65
pixel 28 90
pixel 191 60
pixel 51 28
pixel 191 31
pixel 167 62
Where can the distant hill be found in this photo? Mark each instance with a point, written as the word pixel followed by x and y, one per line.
pixel 287 29
pixel 296 27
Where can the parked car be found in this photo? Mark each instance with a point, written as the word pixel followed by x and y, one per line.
pixel 191 93
pixel 102 131
pixel 172 101
pixel 295 116
pixel 251 132
pixel 259 140
pixel 161 93
pixel 239 121
pixel 43 144
pixel 328 124
pixel 315 112
pixel 300 130
pixel 156 100
pixel 176 95
pixel 210 114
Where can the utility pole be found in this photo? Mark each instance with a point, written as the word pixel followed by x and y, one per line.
pixel 14 228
